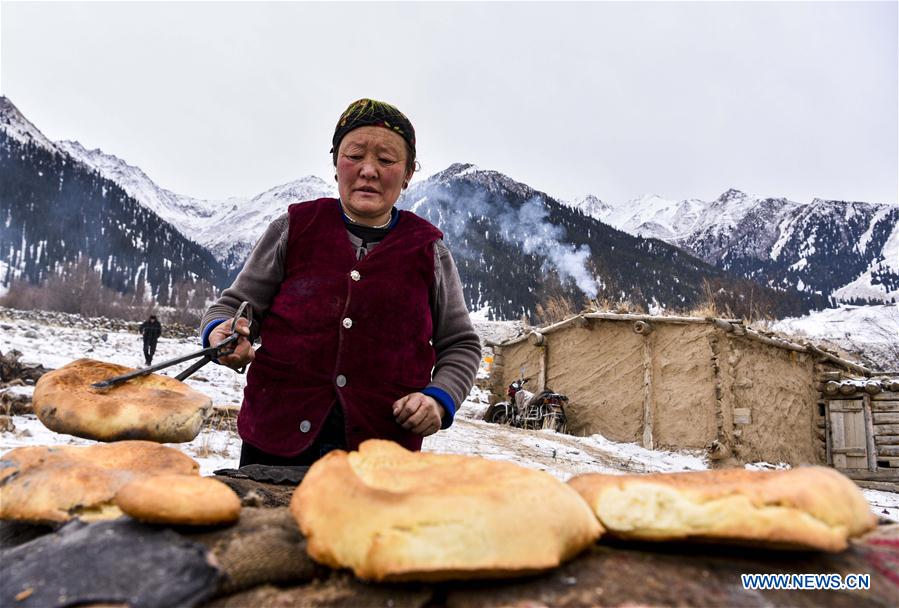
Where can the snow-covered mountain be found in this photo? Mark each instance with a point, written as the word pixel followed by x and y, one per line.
pixel 228 228
pixel 189 215
pixel 497 227
pixel 517 247
pixel 650 216
pixel 59 216
pixel 234 230
pixel 845 250
pixel 594 207
pixel 19 128
pixel 868 333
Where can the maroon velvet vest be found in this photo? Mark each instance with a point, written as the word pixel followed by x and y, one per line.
pixel 342 329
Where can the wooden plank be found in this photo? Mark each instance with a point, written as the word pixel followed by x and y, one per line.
pixel 886 418
pixel 888 450
pixel 853 452
pixel 839 361
pixel 850 443
pixel 885 406
pixel 828 444
pixel 647 392
pixel 831 376
pixel 856 438
pixel 848 405
pixel 886 429
pixel 878 475
pixel 891 461
pixel 885 486
pixel 886 396
pixel 869 436
pixel 886 439
pixel 541 372
pixel 838 438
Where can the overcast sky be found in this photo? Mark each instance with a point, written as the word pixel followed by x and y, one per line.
pixel 614 99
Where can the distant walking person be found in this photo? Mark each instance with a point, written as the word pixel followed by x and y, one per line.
pixel 150 330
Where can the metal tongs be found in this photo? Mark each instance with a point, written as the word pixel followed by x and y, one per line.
pixel 224 347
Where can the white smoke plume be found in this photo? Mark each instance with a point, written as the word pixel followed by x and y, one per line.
pixel 526 227
pixel 529 227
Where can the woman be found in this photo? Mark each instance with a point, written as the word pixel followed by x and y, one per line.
pixel 363 325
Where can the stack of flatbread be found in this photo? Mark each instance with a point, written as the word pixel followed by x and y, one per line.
pixel 392 514
pixel 179 500
pixel 151 407
pixel 806 508
pixel 145 480
pixel 56 484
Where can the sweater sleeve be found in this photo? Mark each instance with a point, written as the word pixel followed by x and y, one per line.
pixel 455 341
pixel 257 283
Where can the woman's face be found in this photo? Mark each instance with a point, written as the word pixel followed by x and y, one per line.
pixel 371 169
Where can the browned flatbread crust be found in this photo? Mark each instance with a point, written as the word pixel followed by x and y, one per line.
pixel 807 507
pixel 179 499
pixel 392 514
pixel 152 407
pixel 56 484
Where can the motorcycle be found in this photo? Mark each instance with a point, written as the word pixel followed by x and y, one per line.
pixel 525 410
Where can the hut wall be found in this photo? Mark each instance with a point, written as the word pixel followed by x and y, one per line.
pixel 885 410
pixel 774 403
pixel 600 369
pixel 518 359
pixel 683 386
pixel 759 401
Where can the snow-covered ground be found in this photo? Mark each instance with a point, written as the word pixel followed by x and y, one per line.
pixel 869 331
pixel 54 344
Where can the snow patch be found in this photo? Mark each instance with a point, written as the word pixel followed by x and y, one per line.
pixel 871 331
pixel 563 456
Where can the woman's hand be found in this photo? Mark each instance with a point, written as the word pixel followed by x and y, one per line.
pixel 418 413
pixel 243 352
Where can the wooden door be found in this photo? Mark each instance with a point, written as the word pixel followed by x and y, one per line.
pixel 848 436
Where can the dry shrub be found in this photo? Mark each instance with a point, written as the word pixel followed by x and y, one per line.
pixel 220 421
pixel 710 306
pixel 78 289
pixel 554 309
pixel 620 307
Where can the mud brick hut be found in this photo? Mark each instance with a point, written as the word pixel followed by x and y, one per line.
pixel 714 384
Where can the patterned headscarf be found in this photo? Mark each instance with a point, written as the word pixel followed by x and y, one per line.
pixel 368 112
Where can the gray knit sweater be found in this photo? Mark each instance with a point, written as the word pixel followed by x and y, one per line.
pixel 456 344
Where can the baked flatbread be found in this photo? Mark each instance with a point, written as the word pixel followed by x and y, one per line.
pixel 56 484
pixel 179 500
pixel 392 514
pixel 807 507
pixel 151 407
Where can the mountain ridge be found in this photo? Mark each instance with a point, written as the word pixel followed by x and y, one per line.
pixel 540 233
pixel 772 239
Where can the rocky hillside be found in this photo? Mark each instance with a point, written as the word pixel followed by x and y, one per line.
pixel 848 251
pixel 516 247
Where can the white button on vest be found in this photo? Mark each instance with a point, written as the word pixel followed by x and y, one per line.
pixel 305 426
pixel 348 322
pixel 355 275
pixel 341 380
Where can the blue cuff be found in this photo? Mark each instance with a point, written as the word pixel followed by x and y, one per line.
pixel 212 325
pixel 443 398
